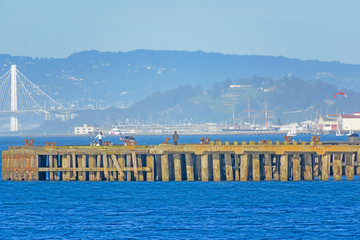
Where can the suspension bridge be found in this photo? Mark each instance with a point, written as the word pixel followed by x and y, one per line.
pixel 19 95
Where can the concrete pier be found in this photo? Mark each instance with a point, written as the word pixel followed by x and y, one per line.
pixel 213 161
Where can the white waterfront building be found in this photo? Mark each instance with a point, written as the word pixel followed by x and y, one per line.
pixel 85 129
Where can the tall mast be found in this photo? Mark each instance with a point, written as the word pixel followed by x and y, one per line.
pixel 266 114
pixel 249 113
pixel 234 124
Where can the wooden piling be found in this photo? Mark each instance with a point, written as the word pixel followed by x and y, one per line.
pixel 120 166
pixel 316 166
pixel 177 167
pixel 276 167
pixel 337 167
pixel 56 165
pixel 119 174
pixel 158 168
pixel 73 166
pixel 349 166
pixel 82 165
pixel 189 166
pixel 92 165
pixel 165 167
pixel 197 167
pixel 51 165
pixel 111 174
pixel 228 167
pixel 284 167
pixel 171 167
pixel 14 166
pixel 255 167
pixel 308 174
pixel 105 161
pixel 11 167
pixel 216 167
pixel 296 167
pixel 325 167
pixel 34 159
pixel 4 167
pixel 237 167
pixel 67 166
pixel 21 174
pixel 24 176
pixel 150 176
pixel 204 168
pixel 139 165
pixel 244 167
pixel 98 165
pixel 357 160
pixel 267 167
pixel 25 166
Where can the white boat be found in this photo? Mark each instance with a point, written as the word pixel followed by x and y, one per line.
pixel 117 132
pixel 338 133
pixel 292 132
pixel 350 133
pixel 114 131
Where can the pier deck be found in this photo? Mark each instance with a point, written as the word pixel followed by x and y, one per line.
pixel 214 161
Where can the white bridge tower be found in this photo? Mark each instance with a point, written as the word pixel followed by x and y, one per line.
pixel 13 100
pixel 18 95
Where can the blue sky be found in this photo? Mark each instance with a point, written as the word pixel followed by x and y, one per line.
pixel 325 30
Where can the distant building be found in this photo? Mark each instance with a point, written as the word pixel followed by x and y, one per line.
pixel 340 122
pixel 308 125
pixel 85 129
pixel 291 126
pixel 351 122
pixel 240 86
pixel 329 123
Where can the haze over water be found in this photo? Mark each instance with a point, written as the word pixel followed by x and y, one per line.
pixel 180 210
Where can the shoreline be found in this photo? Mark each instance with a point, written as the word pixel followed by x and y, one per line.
pixel 244 133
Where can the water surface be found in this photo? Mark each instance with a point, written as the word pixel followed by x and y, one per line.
pixel 177 210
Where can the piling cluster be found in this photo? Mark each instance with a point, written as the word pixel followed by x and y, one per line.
pixel 208 161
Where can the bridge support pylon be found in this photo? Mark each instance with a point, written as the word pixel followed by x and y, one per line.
pixel 13 100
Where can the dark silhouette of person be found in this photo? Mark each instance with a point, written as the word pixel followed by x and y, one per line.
pixel 175 138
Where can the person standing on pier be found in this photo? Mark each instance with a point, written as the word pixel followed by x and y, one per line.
pixel 100 136
pixel 175 138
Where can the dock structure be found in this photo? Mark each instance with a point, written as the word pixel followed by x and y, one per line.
pixel 208 161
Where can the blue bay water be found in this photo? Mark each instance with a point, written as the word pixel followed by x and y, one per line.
pixel 177 210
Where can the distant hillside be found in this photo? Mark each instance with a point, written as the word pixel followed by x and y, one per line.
pixel 288 99
pixel 173 86
pixel 112 79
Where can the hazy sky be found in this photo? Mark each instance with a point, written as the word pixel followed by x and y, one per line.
pixel 306 29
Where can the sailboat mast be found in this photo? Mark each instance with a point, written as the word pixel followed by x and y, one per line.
pixel 249 114
pixel 266 114
pixel 234 124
